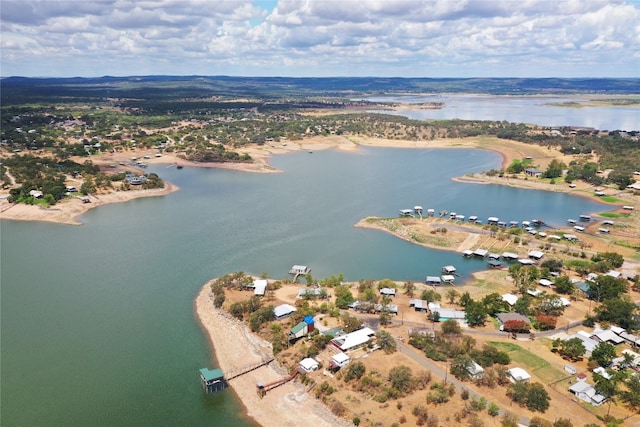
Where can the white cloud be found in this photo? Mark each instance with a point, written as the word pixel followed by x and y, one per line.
pixel 317 37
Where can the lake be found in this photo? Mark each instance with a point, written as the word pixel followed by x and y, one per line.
pixel 519 109
pixel 97 320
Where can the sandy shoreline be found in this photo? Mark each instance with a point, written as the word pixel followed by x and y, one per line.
pixel 287 405
pixel 67 211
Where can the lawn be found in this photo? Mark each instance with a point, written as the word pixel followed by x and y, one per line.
pixel 610 199
pixel 530 362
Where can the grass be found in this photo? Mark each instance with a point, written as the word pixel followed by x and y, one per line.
pixel 610 199
pixel 530 361
pixel 612 215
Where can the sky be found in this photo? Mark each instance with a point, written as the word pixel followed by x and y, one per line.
pixel 321 38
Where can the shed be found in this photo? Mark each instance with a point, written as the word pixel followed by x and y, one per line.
pixel 476 371
pixel 433 280
pixel 518 374
pixel 570 369
pixel 585 391
pixel 309 365
pixel 510 298
pixel 536 254
pixel 418 304
pixel 449 278
pixel 450 314
pixel 545 282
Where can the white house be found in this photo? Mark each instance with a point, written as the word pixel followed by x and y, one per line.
pixel 340 360
pixel 585 391
pixel 283 311
pixel 518 374
pixel 510 298
pixel 476 371
pixel 391 292
pixel 259 286
pixel 353 339
pixel 309 365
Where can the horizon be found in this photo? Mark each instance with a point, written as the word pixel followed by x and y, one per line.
pixel 322 39
pixel 321 77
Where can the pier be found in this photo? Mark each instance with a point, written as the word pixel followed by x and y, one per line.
pixel 214 380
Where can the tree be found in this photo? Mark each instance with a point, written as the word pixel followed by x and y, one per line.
pixel 564 285
pixel 552 264
pixel 539 422
pixel 537 398
pixel 430 295
pixel 518 326
pixel 551 305
pixel 544 322
pixel 344 297
pixel 386 342
pixel 460 367
pixel 452 294
pixel 409 288
pixel 605 287
pixel 613 259
pixel 465 299
pixel 451 327
pixel 351 323
pixel 475 314
pixel 523 305
pixel 494 304
pixel 619 311
pixel 562 422
pixel 354 371
pixel 603 354
pixel 609 387
pixel 401 379
pixel 554 170
pixel 572 349
pixel 493 410
pixel 631 396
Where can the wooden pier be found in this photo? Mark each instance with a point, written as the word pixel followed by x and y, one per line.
pixel 214 380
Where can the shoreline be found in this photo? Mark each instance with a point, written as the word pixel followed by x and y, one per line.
pixel 288 405
pixel 67 211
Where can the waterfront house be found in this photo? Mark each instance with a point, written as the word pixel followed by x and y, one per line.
pixel 390 292
pixel 283 310
pixel 533 172
pixel 433 280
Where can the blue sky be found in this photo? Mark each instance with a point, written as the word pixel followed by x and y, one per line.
pixel 403 38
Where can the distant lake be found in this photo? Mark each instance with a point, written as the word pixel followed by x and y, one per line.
pixel 97 323
pixel 519 109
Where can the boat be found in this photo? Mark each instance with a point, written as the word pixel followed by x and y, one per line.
pixel 179 166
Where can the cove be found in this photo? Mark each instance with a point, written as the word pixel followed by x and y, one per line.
pixel 97 323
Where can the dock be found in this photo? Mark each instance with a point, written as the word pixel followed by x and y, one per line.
pixel 214 380
pixel 299 270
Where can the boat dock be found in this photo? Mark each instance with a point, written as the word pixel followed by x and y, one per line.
pixel 214 380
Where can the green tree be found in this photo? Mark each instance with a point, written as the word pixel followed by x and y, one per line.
pixel 493 410
pixel 523 305
pixel 494 304
pixel 344 297
pixel 572 349
pixel 620 311
pixel 409 288
pixel 430 295
pixel 603 354
pixel 401 379
pixel 539 422
pixel 538 399
pixel 354 371
pixel 610 387
pixel 465 299
pixel 613 259
pixel 475 314
pixel 460 367
pixel 554 170
pixel 631 396
pixel 562 422
pixel 451 327
pixel 564 285
pixel 605 287
pixel 351 323
pixel 386 342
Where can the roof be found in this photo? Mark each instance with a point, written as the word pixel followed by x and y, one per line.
pixel 299 327
pixel 354 339
pixel 340 358
pixel 309 364
pixel 418 304
pixel 211 374
pixel 433 306
pixel 433 279
pixel 475 369
pixel 388 291
pixel 608 335
pixel 505 317
pixel 450 313
pixel 259 286
pixel 510 298
pixel 481 252
pixel 283 310
pixel 545 282
pixel 536 254
pixel 589 344
pixel 518 374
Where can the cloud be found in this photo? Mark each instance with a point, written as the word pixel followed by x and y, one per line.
pixel 317 37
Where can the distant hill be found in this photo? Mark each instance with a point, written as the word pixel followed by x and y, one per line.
pixel 24 89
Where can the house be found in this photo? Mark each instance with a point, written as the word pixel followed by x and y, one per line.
pixel 510 298
pixel 433 280
pixel 476 372
pixel 309 365
pixel 450 314
pixel 545 282
pixel 585 337
pixel 339 360
pixel 390 292
pixel 389 308
pixel 508 317
pixel 518 374
pixel 300 270
pixel 536 254
pixel 607 335
pixel 283 310
pixel 36 194
pixel 259 286
pixel 418 304
pixel 311 293
pixel 353 340
pixel 303 328
pixel 533 172
pixel 585 391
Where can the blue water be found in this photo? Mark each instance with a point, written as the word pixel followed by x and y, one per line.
pixel 97 324
pixel 519 109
